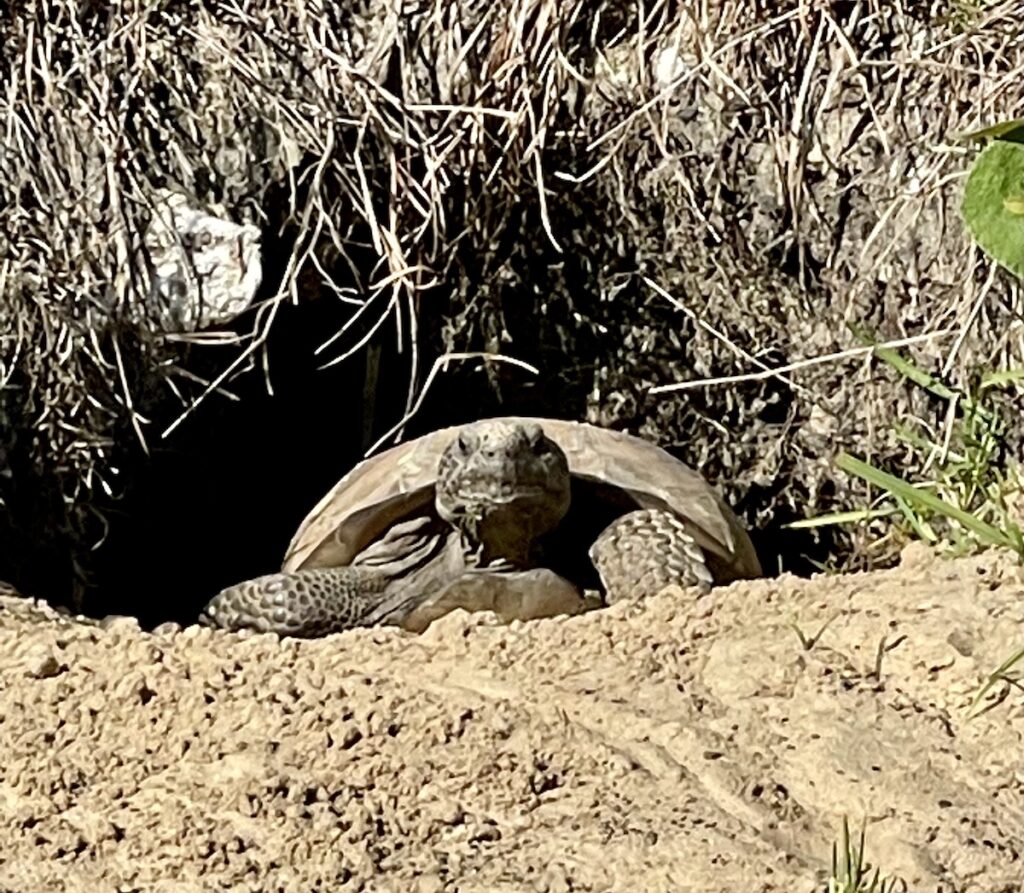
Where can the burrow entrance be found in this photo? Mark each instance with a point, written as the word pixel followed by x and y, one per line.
pixel 218 501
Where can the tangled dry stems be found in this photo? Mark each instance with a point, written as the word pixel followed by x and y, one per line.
pixel 819 173
pixel 351 131
pixel 549 180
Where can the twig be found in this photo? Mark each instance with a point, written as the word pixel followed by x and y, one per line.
pixel 441 365
pixel 799 364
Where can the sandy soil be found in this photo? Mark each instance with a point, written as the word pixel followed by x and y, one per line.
pixel 671 745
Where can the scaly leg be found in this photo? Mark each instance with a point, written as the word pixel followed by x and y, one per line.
pixel 645 551
pixel 305 604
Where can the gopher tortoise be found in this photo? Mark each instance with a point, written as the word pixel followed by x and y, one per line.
pixel 516 515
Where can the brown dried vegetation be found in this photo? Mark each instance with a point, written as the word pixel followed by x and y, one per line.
pixel 626 196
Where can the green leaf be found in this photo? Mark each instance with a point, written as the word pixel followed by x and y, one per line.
pixel 998 174
pixel 1012 131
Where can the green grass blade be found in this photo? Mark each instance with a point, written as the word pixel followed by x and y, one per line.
pixel 852 517
pixel 1006 130
pixel 920 526
pixel 920 443
pixel 1001 379
pixel 899 487
pixel 997 675
pixel 911 371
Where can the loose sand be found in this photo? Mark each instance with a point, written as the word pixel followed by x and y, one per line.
pixel 673 745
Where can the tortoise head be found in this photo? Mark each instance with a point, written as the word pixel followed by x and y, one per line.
pixel 502 484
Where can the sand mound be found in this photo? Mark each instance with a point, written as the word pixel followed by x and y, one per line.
pixel 671 745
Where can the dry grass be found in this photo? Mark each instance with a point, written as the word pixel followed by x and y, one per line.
pixel 363 128
pixel 374 123
pixel 476 150
pixel 809 152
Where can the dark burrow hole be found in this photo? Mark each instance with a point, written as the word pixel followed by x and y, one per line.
pixel 218 501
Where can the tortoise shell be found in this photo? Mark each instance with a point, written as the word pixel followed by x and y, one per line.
pixel 612 471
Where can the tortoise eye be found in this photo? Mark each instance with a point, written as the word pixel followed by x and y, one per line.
pixel 464 442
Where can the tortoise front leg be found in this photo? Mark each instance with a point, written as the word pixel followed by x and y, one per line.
pixel 408 563
pixel 305 603
pixel 645 551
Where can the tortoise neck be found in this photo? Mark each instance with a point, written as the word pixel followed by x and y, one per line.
pixel 485 544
